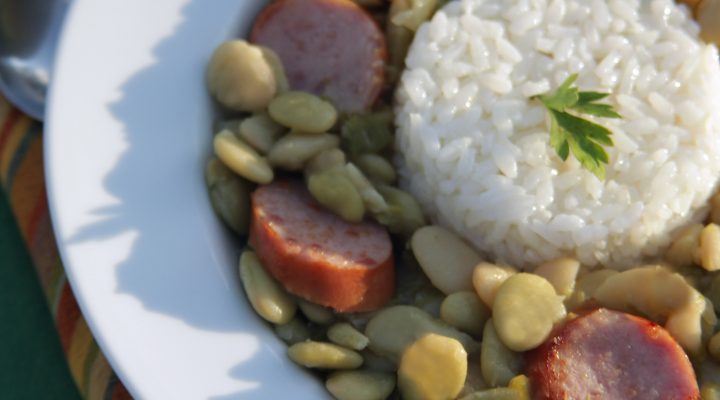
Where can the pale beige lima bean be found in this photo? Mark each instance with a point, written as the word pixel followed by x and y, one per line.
pixel 432 367
pixel 240 77
pixel 561 273
pixel 448 261
pixel 714 347
pixel 241 158
pixel 277 68
pixel 659 294
pixel 260 132
pixel 266 296
pixel 316 313
pixel 498 363
pixel 334 190
pixel 372 199
pixel 303 112
pixel 376 167
pixel 394 328
pixel 525 310
pixel 585 288
pixel 683 248
pixel 346 335
pixel 293 151
pixel 465 312
pixel 708 252
pixel 324 161
pixel 323 355
pixel 487 278
pixel 404 215
pixel 360 385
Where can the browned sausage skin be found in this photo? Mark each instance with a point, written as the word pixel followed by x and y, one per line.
pixel 316 255
pixel 331 48
pixel 608 355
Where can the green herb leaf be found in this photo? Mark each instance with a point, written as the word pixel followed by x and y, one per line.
pixel 566 96
pixel 591 97
pixel 572 134
pixel 598 110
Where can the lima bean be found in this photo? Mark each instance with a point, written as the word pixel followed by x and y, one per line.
pixel 241 158
pixel 346 335
pixel 360 385
pixel 322 355
pixel 561 273
pixel 707 16
pixel 315 312
pixel 713 292
pixel 232 125
pixel 708 253
pixel 714 347
pixel 377 168
pixel 294 331
pixel 266 296
pixel 682 250
pixel 474 381
pixel 404 215
pixel 372 199
pixel 432 367
pixel 487 278
pixel 394 328
pixel 525 310
pixel 303 112
pixel 398 39
pixel 240 77
pixel 324 161
pixel 411 14
pixel 710 391
pixel 715 208
pixel 465 312
pixel 446 258
pixel 658 293
pixel 277 68
pixel 260 132
pixel 498 363
pixel 494 394
pixel 366 133
pixel 229 195
pixel 335 191
pixel 374 362
pixel 586 286
pixel 293 150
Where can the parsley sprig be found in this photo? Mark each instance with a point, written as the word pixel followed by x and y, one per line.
pixel 571 133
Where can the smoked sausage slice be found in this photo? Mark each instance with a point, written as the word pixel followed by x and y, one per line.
pixel 330 48
pixel 611 355
pixel 318 256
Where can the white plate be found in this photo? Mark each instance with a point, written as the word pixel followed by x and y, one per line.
pixel 128 134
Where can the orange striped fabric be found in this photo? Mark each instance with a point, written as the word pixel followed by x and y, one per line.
pixel 23 181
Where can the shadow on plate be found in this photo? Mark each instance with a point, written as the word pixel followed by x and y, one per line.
pixel 142 181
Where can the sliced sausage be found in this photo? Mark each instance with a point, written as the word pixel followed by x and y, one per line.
pixel 318 256
pixel 331 48
pixel 611 355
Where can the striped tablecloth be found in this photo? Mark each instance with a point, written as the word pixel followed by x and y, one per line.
pixel 23 181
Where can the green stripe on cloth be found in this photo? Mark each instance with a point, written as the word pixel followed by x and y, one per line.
pixel 32 364
pixel 22 181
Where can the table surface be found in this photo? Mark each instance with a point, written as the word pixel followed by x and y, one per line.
pixel 32 364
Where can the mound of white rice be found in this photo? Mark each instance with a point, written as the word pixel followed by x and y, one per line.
pixel 475 150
